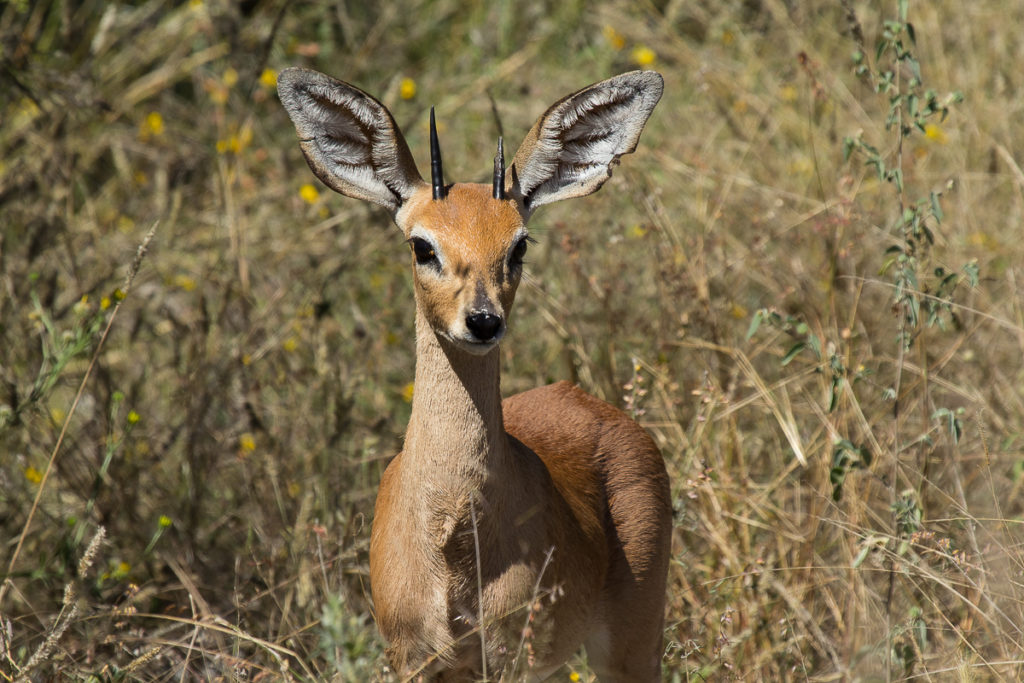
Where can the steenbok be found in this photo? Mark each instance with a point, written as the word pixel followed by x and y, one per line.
pixel 508 532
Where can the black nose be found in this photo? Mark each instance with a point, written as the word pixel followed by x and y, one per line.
pixel 483 325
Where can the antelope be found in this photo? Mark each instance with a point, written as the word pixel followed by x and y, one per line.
pixel 529 525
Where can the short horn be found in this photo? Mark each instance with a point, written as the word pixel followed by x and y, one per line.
pixel 499 171
pixel 436 172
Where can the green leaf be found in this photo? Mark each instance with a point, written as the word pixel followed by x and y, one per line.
pixel 755 323
pixel 833 394
pixel 849 144
pixel 1017 470
pixel 936 207
pixel 913 310
pixel 861 556
pixel 846 456
pixel 972 272
pixel 927 233
pixel 793 352
pixel 897 178
pixel 887 264
pixel 911 277
pixel 915 68
pixel 815 344
pixel 952 420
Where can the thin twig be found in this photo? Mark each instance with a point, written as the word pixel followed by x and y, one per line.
pixel 479 590
pixel 529 610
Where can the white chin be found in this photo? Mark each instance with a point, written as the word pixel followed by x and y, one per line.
pixel 476 348
pixel 472 346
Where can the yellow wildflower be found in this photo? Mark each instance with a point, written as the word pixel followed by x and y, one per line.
pixel 407 88
pixel 407 392
pixel 613 37
pixel 155 122
pixel 152 126
pixel 33 475
pixel 642 55
pixel 309 193
pixel 268 79
pixel 290 344
pixel 133 417
pixel 184 282
pixel 788 93
pixel 801 166
pixel 982 239
pixel 935 133
pixel 25 111
pixel 230 77
pixel 246 443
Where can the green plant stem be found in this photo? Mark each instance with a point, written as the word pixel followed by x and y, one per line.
pixel 132 272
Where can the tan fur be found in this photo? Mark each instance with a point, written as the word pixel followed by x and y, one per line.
pixel 552 506
pixel 476 234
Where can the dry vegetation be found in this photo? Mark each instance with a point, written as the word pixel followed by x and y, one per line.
pixel 190 496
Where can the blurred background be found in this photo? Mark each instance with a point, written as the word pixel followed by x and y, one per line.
pixel 804 284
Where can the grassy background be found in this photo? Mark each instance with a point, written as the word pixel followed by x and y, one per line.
pixel 255 379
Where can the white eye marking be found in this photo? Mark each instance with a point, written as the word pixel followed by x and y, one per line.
pixel 425 247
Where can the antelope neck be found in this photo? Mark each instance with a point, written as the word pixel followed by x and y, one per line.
pixel 456 428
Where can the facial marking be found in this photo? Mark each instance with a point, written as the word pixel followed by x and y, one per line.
pixel 474 238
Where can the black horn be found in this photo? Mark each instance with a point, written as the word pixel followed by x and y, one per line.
pixel 499 171
pixel 436 172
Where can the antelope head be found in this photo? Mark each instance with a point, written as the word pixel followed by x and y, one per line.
pixel 468 240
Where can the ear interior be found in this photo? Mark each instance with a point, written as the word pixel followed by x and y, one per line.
pixel 573 146
pixel 350 140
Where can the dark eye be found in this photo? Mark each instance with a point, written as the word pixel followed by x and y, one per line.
pixel 519 252
pixel 423 251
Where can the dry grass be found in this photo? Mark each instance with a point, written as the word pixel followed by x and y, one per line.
pixel 227 443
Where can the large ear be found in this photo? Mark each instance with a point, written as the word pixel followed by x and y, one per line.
pixel 572 148
pixel 349 138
